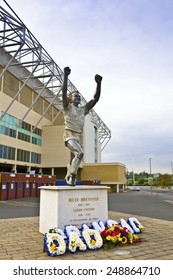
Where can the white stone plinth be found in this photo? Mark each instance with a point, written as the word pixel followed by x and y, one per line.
pixel 63 205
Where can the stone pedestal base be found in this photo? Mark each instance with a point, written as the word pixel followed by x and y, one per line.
pixel 63 205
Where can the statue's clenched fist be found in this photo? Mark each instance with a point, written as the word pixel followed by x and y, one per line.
pixel 98 78
pixel 67 70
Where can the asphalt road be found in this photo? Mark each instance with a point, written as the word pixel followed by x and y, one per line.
pixel 153 204
pixel 147 202
pixel 19 208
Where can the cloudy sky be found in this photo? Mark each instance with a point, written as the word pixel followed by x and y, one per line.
pixel 129 43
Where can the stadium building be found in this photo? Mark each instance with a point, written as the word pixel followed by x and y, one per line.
pixel 31 119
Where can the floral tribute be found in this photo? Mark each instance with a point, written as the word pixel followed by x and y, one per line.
pixel 54 244
pixel 117 235
pixel 92 238
pixel 135 224
pixel 57 241
pixel 74 243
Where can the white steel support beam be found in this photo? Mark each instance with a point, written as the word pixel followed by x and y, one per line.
pixel 20 50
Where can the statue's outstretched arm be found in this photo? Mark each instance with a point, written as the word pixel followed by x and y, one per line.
pixel 65 100
pixel 96 97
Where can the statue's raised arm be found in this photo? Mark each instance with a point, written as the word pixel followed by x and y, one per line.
pixel 96 97
pixel 65 100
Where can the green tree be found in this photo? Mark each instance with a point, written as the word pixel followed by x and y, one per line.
pixel 164 180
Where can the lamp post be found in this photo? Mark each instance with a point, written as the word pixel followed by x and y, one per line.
pixel 150 165
pixel 150 173
pixel 171 168
pixel 133 177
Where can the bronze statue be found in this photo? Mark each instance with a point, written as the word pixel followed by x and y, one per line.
pixel 74 116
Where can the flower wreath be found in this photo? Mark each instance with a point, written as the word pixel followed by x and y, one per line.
pixel 111 223
pixel 69 229
pixel 135 225
pixel 75 242
pixel 99 226
pixel 117 235
pixel 124 224
pixel 54 244
pixel 92 239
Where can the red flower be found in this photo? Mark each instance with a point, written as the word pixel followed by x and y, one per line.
pixel 108 232
pixel 103 233
pixel 116 232
pixel 124 231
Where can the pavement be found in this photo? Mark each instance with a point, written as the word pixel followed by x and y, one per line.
pixel 20 240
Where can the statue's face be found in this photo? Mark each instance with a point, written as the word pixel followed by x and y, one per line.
pixel 75 98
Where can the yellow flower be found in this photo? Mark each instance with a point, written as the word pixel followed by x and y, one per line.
pixel 73 244
pixel 93 242
pixel 114 239
pixel 111 228
pixel 52 230
pixel 135 237
pixel 130 236
pixel 124 240
pixel 53 247
pixel 108 237
pixel 141 228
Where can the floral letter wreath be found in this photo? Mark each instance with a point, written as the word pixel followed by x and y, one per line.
pixel 123 223
pixel 99 226
pixel 69 229
pixel 56 241
pixel 74 243
pixel 92 239
pixel 54 244
pixel 135 225
pixel 111 223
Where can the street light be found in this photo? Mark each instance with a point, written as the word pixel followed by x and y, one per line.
pixel 171 173
pixel 150 173
pixel 150 165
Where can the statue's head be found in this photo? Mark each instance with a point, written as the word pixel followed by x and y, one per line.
pixel 75 97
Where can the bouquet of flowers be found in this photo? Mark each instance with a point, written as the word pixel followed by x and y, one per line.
pixel 117 235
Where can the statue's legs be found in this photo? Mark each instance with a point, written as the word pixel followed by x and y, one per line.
pixel 73 166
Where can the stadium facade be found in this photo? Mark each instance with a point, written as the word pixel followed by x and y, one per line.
pixel 31 119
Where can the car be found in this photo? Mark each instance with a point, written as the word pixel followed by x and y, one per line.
pixel 134 188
